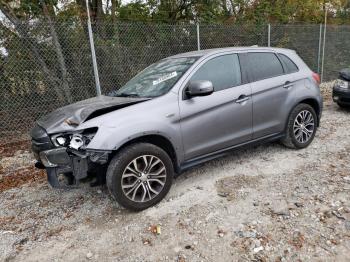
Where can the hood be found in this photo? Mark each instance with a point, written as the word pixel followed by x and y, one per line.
pixel 70 116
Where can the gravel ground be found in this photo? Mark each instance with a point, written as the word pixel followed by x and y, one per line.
pixel 266 203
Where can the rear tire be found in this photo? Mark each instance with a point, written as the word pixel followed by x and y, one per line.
pixel 140 176
pixel 301 127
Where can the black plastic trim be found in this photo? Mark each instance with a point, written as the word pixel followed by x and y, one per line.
pixel 202 159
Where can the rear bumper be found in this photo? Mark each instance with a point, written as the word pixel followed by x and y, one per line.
pixel 341 96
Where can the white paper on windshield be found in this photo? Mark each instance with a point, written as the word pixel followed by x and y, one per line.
pixel 164 78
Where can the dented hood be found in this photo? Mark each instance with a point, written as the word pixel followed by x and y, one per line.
pixel 71 116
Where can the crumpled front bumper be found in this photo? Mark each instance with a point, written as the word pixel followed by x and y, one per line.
pixel 63 164
pixel 58 162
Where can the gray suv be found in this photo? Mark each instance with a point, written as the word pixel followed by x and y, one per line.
pixel 179 112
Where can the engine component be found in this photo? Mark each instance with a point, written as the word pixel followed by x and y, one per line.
pixel 76 142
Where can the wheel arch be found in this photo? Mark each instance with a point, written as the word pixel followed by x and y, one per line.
pixel 311 102
pixel 157 140
pixel 315 105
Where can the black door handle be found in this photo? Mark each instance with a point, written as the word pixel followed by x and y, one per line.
pixel 241 99
pixel 288 85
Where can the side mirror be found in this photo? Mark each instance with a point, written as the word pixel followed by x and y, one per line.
pixel 199 88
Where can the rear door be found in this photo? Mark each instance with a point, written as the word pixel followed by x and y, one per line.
pixel 272 92
pixel 219 120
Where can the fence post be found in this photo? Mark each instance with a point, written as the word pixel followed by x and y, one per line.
pixel 198 38
pixel 268 35
pixel 319 49
pixel 324 43
pixel 93 54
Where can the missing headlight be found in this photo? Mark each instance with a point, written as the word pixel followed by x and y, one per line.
pixel 82 140
pixel 76 141
pixel 60 139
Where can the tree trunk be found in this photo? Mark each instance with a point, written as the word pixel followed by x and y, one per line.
pixel 59 53
pixel 23 33
pixel 113 10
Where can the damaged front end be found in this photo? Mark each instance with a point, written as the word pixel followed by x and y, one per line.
pixel 60 140
pixel 65 156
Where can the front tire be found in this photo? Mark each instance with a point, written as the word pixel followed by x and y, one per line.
pixel 140 176
pixel 301 127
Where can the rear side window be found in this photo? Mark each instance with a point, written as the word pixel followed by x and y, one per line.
pixel 264 65
pixel 289 65
pixel 223 71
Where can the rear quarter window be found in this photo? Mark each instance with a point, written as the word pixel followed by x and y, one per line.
pixel 289 65
pixel 264 65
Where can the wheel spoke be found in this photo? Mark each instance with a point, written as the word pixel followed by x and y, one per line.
pixel 145 163
pixel 156 180
pixel 296 128
pixel 151 189
pixel 148 191
pixel 144 193
pixel 308 118
pixel 132 170
pixel 130 185
pixel 305 133
pixel 153 164
pixel 135 191
pixel 157 173
pixel 132 189
pixel 150 162
pixel 298 135
pixel 134 162
pixel 130 175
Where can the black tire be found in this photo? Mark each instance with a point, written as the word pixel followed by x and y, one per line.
pixel 121 161
pixel 343 105
pixel 290 139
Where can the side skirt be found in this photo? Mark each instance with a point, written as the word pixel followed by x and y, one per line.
pixel 225 151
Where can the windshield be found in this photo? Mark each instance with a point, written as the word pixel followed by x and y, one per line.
pixel 157 79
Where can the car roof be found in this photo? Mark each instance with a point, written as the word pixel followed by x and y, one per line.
pixel 205 52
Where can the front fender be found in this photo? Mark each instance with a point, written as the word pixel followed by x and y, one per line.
pixel 112 138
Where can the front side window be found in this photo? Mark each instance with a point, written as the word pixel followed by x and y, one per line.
pixel 264 65
pixel 157 79
pixel 223 71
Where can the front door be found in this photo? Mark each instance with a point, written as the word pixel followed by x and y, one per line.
pixel 219 120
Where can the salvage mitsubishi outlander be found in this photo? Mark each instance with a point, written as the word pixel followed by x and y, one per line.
pixel 179 112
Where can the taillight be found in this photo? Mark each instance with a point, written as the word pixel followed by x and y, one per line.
pixel 316 77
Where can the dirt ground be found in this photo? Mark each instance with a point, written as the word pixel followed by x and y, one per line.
pixel 266 203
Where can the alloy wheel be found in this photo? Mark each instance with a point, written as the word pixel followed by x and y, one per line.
pixel 304 126
pixel 143 178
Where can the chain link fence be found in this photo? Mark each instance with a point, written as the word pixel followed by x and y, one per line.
pixel 46 65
